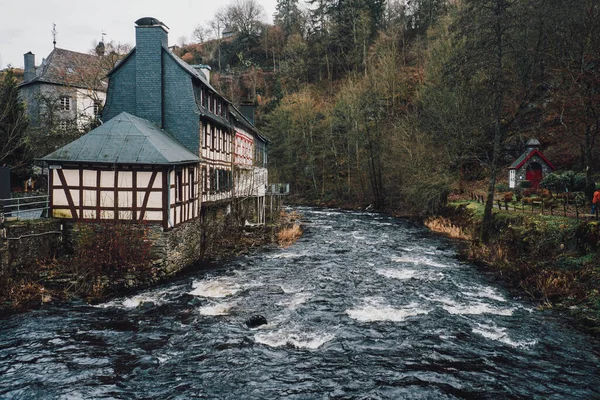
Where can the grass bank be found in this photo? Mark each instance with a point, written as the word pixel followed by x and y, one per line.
pixel 554 260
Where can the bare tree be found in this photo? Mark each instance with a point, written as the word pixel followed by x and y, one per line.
pixel 245 16
pixel 201 33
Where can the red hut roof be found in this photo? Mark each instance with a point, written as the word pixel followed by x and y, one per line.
pixel 526 156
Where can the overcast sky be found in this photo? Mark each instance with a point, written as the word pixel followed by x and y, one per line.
pixel 26 25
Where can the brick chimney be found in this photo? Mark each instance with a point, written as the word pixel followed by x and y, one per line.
pixel 29 66
pixel 150 37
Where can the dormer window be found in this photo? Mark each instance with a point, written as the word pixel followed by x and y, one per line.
pixel 65 103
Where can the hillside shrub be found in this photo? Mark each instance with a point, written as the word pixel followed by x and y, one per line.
pixel 564 181
pixel 502 187
pixel 525 184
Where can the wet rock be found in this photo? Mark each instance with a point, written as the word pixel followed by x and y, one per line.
pixel 195 301
pixel 145 305
pixel 256 320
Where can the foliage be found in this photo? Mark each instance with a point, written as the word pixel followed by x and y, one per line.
pixel 287 236
pixel 109 247
pixel 552 259
pixel 14 141
pixel 446 227
pixel 570 181
pixel 395 104
pixel 525 184
pixel 502 187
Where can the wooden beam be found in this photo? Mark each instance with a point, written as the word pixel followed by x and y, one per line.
pixel 134 196
pixel 116 194
pixel 81 192
pixel 166 189
pixel 147 195
pixel 63 182
pixel 98 193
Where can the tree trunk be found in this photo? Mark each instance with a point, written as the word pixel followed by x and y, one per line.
pixel 590 185
pixel 498 91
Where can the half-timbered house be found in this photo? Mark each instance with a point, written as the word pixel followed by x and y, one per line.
pixel 153 88
pixel 126 169
pixel 250 164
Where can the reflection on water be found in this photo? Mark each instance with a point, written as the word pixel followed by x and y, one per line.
pixel 362 307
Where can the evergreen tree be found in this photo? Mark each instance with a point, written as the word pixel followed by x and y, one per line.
pixel 288 16
pixel 14 144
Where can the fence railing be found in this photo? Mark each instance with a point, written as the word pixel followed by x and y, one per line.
pixel 568 207
pixel 22 208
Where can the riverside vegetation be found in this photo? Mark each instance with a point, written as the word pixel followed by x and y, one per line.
pixel 111 258
pixel 554 260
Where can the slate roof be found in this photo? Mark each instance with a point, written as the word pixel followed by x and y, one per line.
pixel 191 70
pixel 518 163
pixel 70 68
pixel 125 139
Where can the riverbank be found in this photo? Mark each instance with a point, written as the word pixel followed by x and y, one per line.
pixel 115 260
pixel 554 260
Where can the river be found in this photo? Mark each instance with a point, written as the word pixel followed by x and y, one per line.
pixel 363 306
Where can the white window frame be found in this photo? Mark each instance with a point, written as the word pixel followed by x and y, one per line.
pixel 97 105
pixel 512 178
pixel 65 103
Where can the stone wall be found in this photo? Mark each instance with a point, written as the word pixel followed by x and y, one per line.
pixel 23 243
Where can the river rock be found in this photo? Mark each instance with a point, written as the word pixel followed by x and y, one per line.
pixel 256 320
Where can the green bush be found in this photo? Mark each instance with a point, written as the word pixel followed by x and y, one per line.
pixel 567 180
pixel 525 184
pixel 502 187
pixel 552 182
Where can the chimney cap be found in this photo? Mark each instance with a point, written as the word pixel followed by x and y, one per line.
pixel 149 21
pixel 29 52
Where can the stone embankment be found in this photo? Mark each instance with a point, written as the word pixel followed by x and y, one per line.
pixel 50 260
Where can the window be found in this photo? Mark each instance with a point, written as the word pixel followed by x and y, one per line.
pixel 204 180
pixel 192 183
pixel 214 137
pixel 206 137
pixel 213 180
pixel 178 185
pixel 65 103
pixel 97 106
pixel 63 125
pixel 511 179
